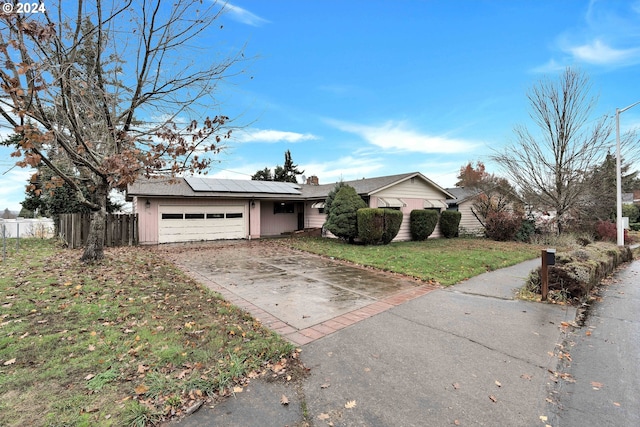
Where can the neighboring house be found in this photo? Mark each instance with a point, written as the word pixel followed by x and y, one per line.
pixel 628 198
pixel 463 202
pixel 201 208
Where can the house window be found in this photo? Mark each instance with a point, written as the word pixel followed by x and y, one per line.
pixel 234 215
pixel 194 216
pixel 321 210
pixel 172 216
pixel 215 216
pixel 283 207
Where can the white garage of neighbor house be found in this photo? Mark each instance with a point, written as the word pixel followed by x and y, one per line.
pixel 202 208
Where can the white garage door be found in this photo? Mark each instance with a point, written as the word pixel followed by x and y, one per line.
pixel 189 223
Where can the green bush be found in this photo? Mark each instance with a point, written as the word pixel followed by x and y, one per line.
pixel 527 229
pixel 423 222
pixel 378 225
pixel 343 217
pixel 370 225
pixel 631 211
pixel 635 226
pixel 449 223
pixel 392 223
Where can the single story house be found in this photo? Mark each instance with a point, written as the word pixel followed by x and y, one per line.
pixel 203 208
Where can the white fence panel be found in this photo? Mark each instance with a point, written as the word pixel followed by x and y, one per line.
pixel 26 227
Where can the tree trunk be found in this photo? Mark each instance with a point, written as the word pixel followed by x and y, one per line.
pixel 94 248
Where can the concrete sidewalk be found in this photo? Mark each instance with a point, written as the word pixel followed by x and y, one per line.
pixel 604 370
pixel 466 355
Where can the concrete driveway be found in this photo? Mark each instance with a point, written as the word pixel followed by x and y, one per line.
pixel 299 295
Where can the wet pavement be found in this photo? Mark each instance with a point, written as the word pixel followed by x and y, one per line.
pixel 298 295
pixel 469 354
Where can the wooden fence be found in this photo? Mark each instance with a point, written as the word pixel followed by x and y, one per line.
pixel 120 229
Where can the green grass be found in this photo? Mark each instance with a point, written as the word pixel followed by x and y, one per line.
pixel 445 261
pixel 127 341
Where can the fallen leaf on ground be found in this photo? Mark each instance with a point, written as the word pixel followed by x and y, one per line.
pixel 616 404
pixel 596 385
pixel 238 389
pixel 543 418
pixel 323 416
pixel 526 377
pixel 10 362
pixel 326 385
pixel 498 383
pixel 141 389
pixel 91 347
pixel 493 398
pixel 456 422
pixel 350 404
pixel 88 377
pixel 455 386
pixel 588 333
pixel 284 400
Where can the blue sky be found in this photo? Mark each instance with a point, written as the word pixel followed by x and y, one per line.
pixel 368 88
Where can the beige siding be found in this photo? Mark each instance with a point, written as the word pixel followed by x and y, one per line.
pixel 468 222
pixel 413 193
pixel 418 189
pixel 312 216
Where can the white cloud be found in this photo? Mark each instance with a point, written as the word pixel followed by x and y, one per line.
pixel 550 67
pixel 345 168
pixel 397 136
pixel 608 36
pixel 244 16
pixel 599 53
pixel 270 136
pixel 12 187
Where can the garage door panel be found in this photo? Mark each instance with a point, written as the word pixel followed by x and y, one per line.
pixel 189 223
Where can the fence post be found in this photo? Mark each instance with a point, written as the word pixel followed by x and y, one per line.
pixel 17 235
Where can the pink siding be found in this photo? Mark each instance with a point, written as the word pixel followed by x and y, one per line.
pixel 275 224
pixel 254 220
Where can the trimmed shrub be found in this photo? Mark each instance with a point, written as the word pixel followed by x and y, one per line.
pixel 392 223
pixel 423 222
pixel 502 226
pixel 378 225
pixel 635 226
pixel 343 217
pixel 449 223
pixel 370 225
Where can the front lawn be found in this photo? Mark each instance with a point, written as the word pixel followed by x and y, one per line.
pixel 128 341
pixel 445 261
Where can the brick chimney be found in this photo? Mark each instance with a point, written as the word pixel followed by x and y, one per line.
pixel 313 180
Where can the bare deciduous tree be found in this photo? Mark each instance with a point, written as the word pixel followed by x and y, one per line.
pixel 112 87
pixel 551 163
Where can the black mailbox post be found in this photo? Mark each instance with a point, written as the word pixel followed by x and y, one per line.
pixel 548 258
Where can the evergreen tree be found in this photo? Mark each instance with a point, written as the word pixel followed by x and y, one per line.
pixel 343 216
pixel 287 173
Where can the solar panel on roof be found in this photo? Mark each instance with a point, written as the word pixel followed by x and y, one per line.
pixel 216 185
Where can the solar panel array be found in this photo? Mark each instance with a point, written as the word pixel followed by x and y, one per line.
pixel 215 185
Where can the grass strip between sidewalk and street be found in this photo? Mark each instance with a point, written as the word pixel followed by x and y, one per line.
pixel 127 341
pixel 443 261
